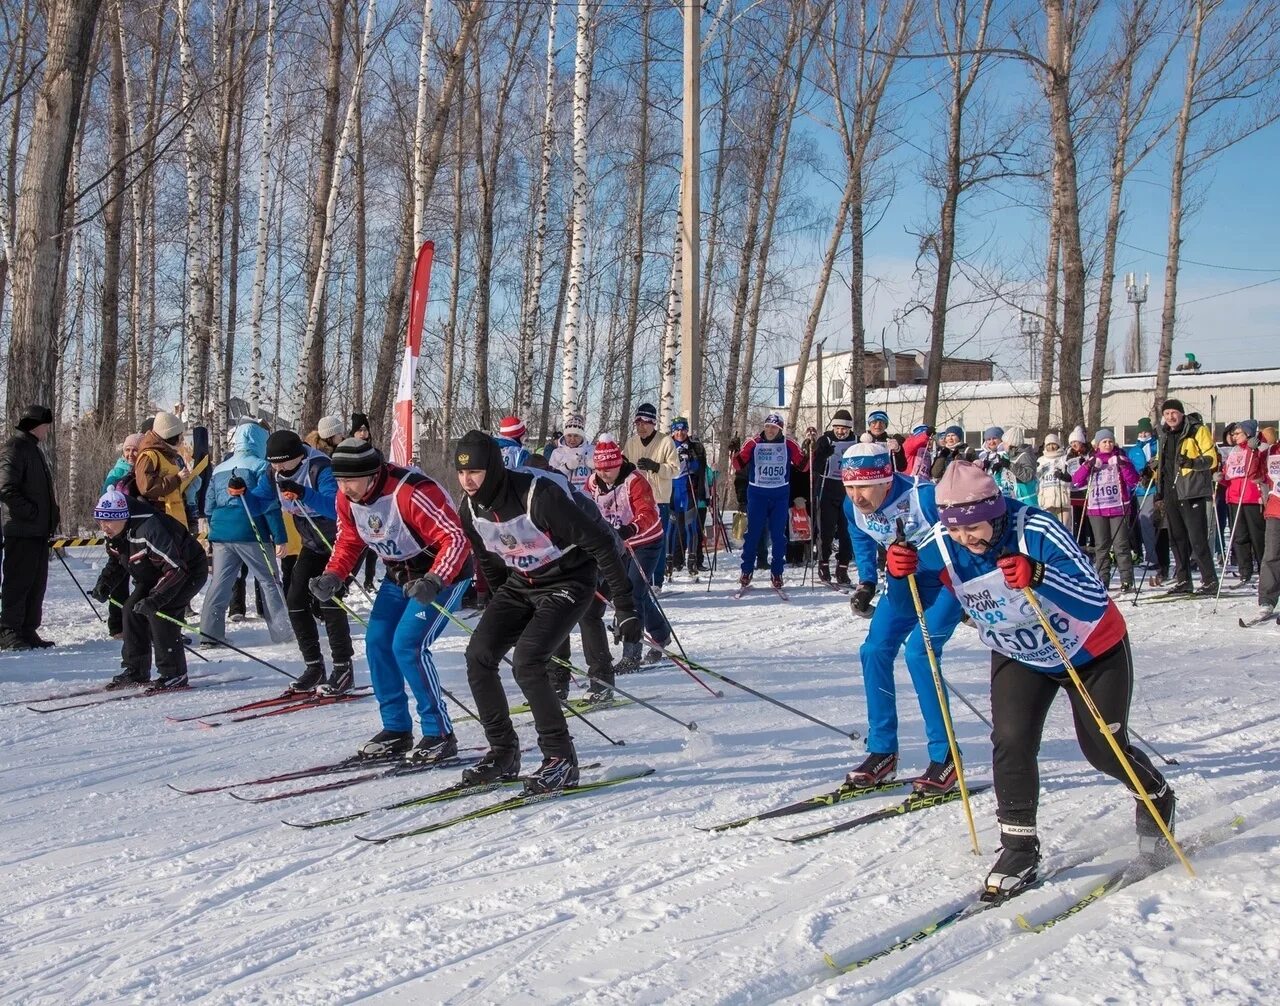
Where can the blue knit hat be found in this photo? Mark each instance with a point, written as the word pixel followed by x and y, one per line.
pixel 918 429
pixel 775 419
pixel 679 423
pixel 1249 427
pixel 112 506
pixel 879 415
pixel 867 464
pixel 950 430
pixel 993 433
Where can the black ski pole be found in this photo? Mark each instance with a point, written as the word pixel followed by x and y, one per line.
pixel 1151 747
pixel 1147 559
pixel 453 698
pixel 653 596
pixel 58 553
pixel 223 642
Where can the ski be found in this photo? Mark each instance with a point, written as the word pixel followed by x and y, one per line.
pixel 580 705
pixel 915 802
pixel 1226 595
pixel 275 700
pixel 457 791
pixel 1249 623
pixel 144 694
pixel 842 794
pixel 76 694
pixel 351 764
pixel 405 768
pixel 511 803
pixel 312 703
pixel 741 592
pixel 782 594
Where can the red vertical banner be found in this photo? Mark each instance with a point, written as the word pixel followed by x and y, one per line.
pixel 402 415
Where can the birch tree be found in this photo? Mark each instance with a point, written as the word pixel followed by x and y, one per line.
pixel 265 153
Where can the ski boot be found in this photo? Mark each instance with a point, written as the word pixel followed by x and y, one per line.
pixel 601 687
pixel 497 765
pixel 386 743
pixel 1015 867
pixel 938 777
pixel 1208 589
pixel 1180 587
pixel 560 683
pixel 656 653
pixel 824 571
pixel 311 676
pixel 173 683
pixel 340 681
pixel 842 575
pixel 1152 845
pixel 128 679
pixel 875 769
pixel 37 641
pixel 744 581
pixel 631 657
pixel 555 773
pixel 775 581
pixel 431 750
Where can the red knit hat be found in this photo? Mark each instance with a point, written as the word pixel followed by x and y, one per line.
pixel 967 495
pixel 512 426
pixel 607 453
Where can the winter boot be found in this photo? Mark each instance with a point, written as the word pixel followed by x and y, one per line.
pixel 631 657
pixel 387 743
pixel 340 681
pixel 128 679
pixel 39 643
pixel 1266 611
pixel 937 778
pixel 11 640
pixel 1126 586
pixel 498 765
pixel 842 574
pixel 824 571
pixel 311 676
pixel 173 683
pixel 1152 845
pixel 1015 867
pixel 434 749
pixel 555 773
pixel 875 769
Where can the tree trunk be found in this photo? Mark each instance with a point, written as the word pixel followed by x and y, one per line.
pixel 112 229
pixel 38 217
pixel 641 179
pixel 578 208
pixel 195 337
pixel 425 42
pixel 671 328
pixel 709 284
pixel 265 156
pixel 1049 338
pixel 362 255
pixel 858 325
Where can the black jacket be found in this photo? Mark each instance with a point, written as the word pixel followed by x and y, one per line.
pixel 26 489
pixel 156 551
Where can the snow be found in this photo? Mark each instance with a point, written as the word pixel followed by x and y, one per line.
pixel 116 889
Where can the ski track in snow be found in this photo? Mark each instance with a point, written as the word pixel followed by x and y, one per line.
pixel 117 889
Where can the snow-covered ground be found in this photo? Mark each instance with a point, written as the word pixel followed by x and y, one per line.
pixel 115 889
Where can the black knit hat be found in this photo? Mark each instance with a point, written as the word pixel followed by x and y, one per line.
pixel 359 421
pixel 1173 403
pixel 647 413
pixel 355 458
pixel 842 418
pixel 33 416
pixel 284 445
pixel 475 451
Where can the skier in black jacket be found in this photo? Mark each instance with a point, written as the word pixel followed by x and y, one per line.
pixel 30 517
pixel 541 557
pixel 828 452
pixel 168 567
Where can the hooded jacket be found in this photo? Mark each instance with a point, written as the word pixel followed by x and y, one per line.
pixel 229 515
pixel 158 476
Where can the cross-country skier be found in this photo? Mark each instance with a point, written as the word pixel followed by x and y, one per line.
pixel 828 453
pixel 986 549
pixel 302 483
pixel 571 456
pixel 877 499
pixel 409 521
pixel 768 459
pixel 540 556
pixel 510 440
pixel 168 567
pixel 1109 478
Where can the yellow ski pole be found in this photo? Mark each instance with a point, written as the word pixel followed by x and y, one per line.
pixel 942 702
pixel 1138 788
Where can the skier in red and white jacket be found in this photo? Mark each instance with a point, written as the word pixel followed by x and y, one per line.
pixel 1242 471
pixel 409 521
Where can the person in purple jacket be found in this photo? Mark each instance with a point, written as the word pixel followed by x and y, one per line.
pixel 1110 478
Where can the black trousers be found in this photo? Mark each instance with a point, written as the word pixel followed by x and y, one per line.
pixel 115 612
pixel 1020 701
pixel 595 646
pixel 1250 537
pixel 145 634
pixel 303 612
pixel 535 621
pixel 25 577
pixel 1189 536
pixel 831 523
pixel 237 605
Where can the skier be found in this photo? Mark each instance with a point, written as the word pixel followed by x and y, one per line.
pixel 409 521
pixel 510 440
pixel 828 453
pixel 692 456
pixel 571 455
pixel 952 447
pixel 303 485
pixel 1109 478
pixel 541 559
pixel 918 453
pixel 659 463
pixel 1143 457
pixel 168 567
pixel 682 530
pixel 1079 453
pixel 1242 471
pixel 878 499
pixel 121 477
pixel 986 550
pixel 768 459
pixel 31 515
pixel 995 460
pixel 1188 460
pixel 626 503
pixel 1053 491
pixel 1268 465
pixel 878 430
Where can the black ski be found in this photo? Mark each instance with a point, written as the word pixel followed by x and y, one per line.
pixel 841 794
pixel 146 693
pixel 403 768
pixel 915 802
pixel 351 764
pixel 1249 623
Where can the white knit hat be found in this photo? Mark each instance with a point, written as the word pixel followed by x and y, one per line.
pixel 166 425
pixel 331 426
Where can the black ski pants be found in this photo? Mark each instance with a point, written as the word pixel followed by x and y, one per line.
pixel 1250 537
pixel 145 634
pixel 1020 701
pixel 115 612
pixel 1269 568
pixel 534 620
pixel 1189 536
pixel 831 523
pixel 22 587
pixel 303 612
pixel 595 645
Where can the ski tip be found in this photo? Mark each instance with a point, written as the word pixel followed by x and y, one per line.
pixel 1022 922
pixel 832 962
pixel 373 839
pixel 243 799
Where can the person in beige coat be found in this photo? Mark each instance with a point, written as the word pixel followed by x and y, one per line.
pixel 659 463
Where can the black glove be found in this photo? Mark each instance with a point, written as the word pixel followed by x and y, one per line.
pixel 144 606
pixel 626 625
pixel 1063 476
pixel 101 591
pixel 998 465
pixel 290 487
pixel 860 601
pixel 648 465
pixel 626 531
pixel 423 590
pixel 326 585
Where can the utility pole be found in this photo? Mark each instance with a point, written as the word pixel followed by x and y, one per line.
pixel 691 228
pixel 1030 326
pixel 1137 297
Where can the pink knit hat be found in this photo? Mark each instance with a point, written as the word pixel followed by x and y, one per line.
pixel 607 453
pixel 967 495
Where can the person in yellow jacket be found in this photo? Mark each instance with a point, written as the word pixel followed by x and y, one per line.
pixel 160 468
pixel 1187 458
pixel 659 463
